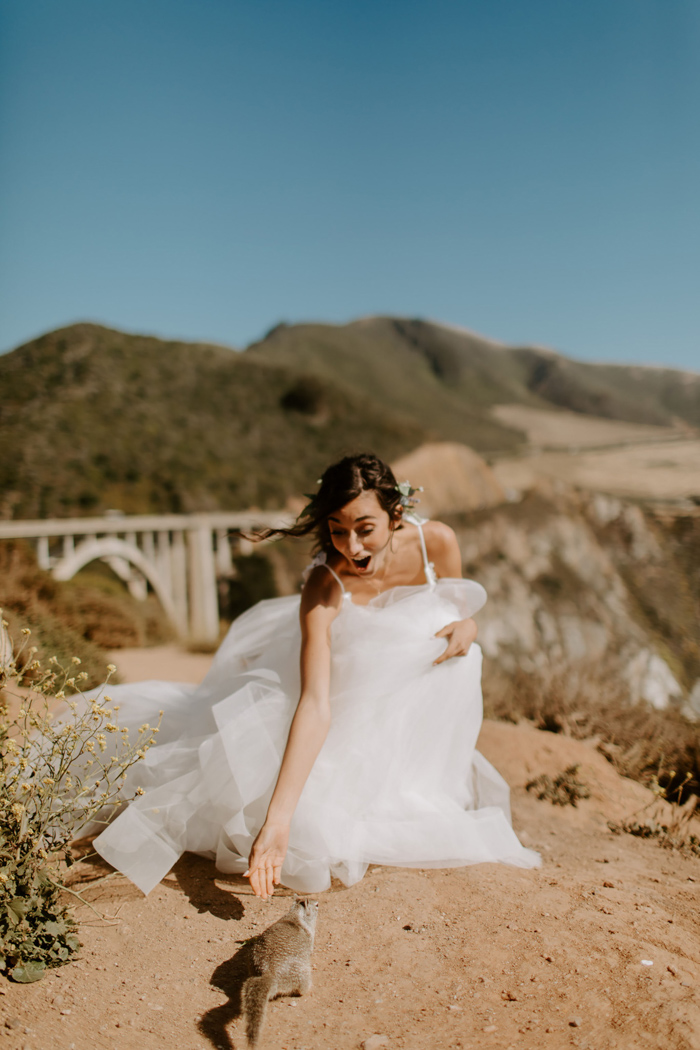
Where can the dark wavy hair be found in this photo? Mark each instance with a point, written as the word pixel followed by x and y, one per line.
pixel 342 482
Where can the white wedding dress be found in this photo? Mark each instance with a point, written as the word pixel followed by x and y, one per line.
pixel 398 780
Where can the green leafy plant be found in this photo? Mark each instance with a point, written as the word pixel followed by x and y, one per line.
pixel 63 766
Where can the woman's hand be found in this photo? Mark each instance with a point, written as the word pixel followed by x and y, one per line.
pixel 460 635
pixel 266 859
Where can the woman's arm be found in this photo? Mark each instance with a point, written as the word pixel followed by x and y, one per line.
pixel 320 604
pixel 444 552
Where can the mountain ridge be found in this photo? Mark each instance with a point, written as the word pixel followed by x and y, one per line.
pixel 99 418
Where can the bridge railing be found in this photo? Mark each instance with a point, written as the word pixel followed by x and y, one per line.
pixel 179 555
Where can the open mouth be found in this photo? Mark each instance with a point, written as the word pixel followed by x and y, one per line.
pixel 362 563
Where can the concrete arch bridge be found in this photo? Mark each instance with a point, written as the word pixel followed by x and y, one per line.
pixel 179 556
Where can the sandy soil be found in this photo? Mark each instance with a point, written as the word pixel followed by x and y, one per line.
pixel 664 470
pixel 482 957
pixel 547 428
pixel 168 663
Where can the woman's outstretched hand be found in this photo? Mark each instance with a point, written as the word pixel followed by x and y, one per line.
pixel 266 859
pixel 460 634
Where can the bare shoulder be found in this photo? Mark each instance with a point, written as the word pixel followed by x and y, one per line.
pixel 440 539
pixel 443 548
pixel 321 591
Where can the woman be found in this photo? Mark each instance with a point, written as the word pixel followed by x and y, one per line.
pixel 334 730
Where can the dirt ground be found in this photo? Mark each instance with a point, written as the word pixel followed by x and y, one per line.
pixel 598 948
pixel 664 470
pixel 603 455
pixel 553 428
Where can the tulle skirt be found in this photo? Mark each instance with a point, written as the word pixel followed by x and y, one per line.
pixel 398 780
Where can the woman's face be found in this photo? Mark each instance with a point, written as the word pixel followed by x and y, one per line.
pixel 361 531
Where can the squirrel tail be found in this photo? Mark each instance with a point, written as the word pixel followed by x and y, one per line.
pixel 255 993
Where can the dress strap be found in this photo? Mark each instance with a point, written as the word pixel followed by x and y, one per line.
pixel 320 559
pixel 334 573
pixel 428 567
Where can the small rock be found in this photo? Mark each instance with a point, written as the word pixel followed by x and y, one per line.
pixel 548 958
pixel 375 1042
pixel 65 1013
pixel 609 885
pixel 12 1022
pixel 672 970
pixel 455 1009
pixel 509 997
pixel 686 984
pixel 575 1022
pixel 489 1028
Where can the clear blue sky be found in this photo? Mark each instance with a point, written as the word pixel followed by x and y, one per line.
pixel 206 168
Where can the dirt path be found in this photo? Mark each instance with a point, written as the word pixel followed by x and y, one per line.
pixel 486 957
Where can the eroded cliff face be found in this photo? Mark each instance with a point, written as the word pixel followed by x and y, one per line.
pixel 574 578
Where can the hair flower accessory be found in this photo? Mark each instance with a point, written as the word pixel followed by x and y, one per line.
pixel 406 494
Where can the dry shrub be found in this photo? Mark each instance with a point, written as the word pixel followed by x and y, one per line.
pixel 664 819
pixel 58 774
pixel 77 618
pixel 563 790
pixel 584 701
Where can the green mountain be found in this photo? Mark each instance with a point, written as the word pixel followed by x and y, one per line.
pixel 92 418
pixel 449 378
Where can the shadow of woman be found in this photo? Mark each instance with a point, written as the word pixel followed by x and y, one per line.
pixel 197 877
pixel 229 978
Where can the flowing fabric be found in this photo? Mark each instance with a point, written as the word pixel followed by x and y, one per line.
pixel 398 780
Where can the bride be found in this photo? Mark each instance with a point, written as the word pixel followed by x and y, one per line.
pixel 335 729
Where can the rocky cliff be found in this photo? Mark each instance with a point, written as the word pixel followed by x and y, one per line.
pixel 576 578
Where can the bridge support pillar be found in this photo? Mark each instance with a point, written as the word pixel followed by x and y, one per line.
pixel 42 553
pixel 178 581
pixel 204 608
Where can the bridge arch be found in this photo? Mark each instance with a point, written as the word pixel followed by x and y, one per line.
pixel 99 549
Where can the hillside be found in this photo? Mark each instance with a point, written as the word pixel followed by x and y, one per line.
pixel 405 361
pixel 100 419
pixel 597 948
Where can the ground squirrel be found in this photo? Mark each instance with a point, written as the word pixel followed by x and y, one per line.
pixel 281 963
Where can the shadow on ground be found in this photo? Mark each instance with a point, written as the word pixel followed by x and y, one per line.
pixel 229 978
pixel 198 879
